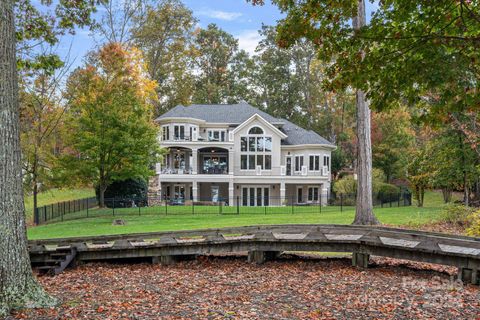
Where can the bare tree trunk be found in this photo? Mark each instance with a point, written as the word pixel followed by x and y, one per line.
pixel 18 287
pixel 364 208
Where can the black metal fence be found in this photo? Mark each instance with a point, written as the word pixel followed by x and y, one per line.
pixel 63 210
pixel 252 204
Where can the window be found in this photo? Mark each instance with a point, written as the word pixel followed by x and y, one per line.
pixel 216 135
pixel 313 194
pixel 243 144
pixel 179 132
pixel 298 163
pixel 179 160
pixel 268 144
pixel 166 133
pixel 251 162
pixel 326 162
pixel 255 130
pixel 243 162
pixel 256 150
pixel 251 144
pixel 268 162
pixel 314 163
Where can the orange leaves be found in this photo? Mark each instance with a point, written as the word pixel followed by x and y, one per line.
pixel 230 288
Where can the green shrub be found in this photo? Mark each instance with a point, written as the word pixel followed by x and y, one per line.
pixel 346 185
pixel 386 188
pixel 474 224
pixel 132 189
pixel 457 214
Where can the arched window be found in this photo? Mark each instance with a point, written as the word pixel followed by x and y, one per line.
pixel 255 130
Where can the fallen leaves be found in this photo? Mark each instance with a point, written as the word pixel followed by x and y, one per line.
pixel 230 288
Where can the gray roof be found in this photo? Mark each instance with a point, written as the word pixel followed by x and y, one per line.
pixel 238 113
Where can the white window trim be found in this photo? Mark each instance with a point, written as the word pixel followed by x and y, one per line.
pixel 308 194
pixel 319 163
pixel 162 130
pixel 255 186
pixel 255 153
pixel 295 162
pixel 219 135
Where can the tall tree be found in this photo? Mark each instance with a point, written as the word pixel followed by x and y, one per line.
pixel 164 33
pixel 18 287
pixel 214 50
pixel 392 138
pixel 334 29
pixel 41 114
pixel 110 118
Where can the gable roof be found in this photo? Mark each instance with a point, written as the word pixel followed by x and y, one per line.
pixel 258 117
pixel 236 114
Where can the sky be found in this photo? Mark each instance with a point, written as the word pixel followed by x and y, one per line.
pixel 237 17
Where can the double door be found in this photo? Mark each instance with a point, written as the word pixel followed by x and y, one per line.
pixel 255 196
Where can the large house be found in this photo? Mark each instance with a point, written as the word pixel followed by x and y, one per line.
pixel 238 154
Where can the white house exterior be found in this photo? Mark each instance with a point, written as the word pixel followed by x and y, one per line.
pixel 240 154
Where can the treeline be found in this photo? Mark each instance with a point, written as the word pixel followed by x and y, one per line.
pixel 69 118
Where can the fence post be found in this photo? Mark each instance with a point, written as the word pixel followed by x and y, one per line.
pixel 398 200
pixel 35 216
pixel 320 201
pixel 341 202
pixel 139 213
pixel 193 206
pixel 166 207
pixel 113 209
pixel 88 206
pixel 45 213
pixel 293 200
pixel 61 213
pixel 238 204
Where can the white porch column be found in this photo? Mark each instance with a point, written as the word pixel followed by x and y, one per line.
pixel 231 195
pixel 324 190
pixel 195 190
pixel 194 163
pixel 230 162
pixel 282 193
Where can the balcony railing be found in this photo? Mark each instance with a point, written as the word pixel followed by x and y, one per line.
pixel 176 171
pixel 214 170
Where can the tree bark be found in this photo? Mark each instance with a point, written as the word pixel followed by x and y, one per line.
pixel 364 208
pixel 18 287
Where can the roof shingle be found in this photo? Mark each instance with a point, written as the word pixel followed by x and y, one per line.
pixel 235 114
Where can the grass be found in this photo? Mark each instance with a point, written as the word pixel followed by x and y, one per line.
pixel 100 221
pixel 54 196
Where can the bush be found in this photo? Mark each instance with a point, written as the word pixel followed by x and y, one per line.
pixel 457 214
pixel 346 185
pixel 386 192
pixel 135 189
pixel 474 222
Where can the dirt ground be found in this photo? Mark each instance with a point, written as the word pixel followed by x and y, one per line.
pixel 230 288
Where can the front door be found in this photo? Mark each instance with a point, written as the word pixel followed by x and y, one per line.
pixel 288 162
pixel 300 195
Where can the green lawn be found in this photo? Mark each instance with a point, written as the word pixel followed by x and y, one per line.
pixel 101 222
pixel 54 196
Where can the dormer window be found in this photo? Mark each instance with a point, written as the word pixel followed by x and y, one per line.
pixel 255 130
